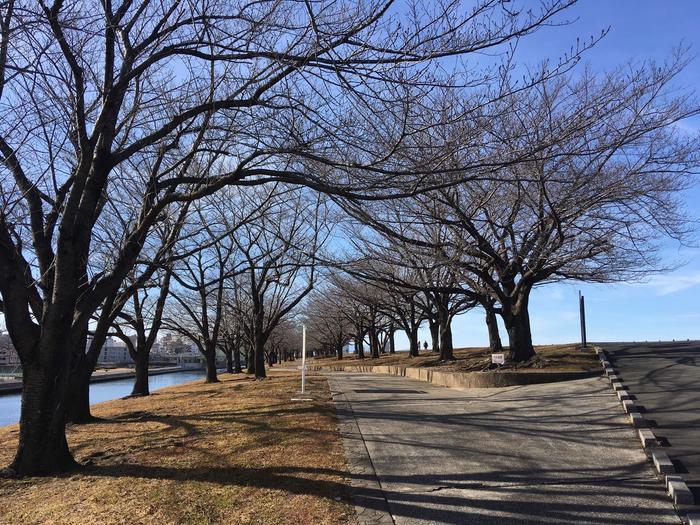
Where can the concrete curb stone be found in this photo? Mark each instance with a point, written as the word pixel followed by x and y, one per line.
pixel 693 519
pixel 623 395
pixel 629 406
pixel 662 462
pixel 675 486
pixel 618 385
pixel 671 477
pixel 637 420
pixel 680 493
pixel 462 379
pixel 647 438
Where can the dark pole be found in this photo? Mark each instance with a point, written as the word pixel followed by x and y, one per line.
pixel 582 315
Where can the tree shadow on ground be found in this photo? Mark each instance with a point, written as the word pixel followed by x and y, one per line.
pixel 494 497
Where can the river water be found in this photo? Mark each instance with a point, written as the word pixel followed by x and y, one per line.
pixel 104 391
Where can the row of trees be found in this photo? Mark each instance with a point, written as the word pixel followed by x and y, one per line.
pixel 152 156
pixel 240 265
pixel 363 306
pixel 593 202
pixel 224 273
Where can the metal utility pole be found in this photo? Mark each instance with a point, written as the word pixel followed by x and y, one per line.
pixel 582 316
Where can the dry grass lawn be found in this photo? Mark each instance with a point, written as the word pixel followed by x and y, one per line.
pixel 550 358
pixel 235 452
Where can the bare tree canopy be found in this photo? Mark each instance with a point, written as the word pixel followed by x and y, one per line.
pixel 207 149
pixel 173 100
pixel 599 193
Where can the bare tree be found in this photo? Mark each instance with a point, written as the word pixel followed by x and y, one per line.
pixel 156 254
pixel 232 337
pixel 327 322
pixel 404 261
pixel 144 317
pixel 284 341
pixel 201 277
pixel 278 252
pixel 591 204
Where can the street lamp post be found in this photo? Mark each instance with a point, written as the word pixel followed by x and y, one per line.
pixel 303 359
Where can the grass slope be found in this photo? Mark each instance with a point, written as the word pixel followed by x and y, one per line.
pixel 235 452
pixel 549 358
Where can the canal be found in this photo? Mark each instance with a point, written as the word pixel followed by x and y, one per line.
pixel 104 391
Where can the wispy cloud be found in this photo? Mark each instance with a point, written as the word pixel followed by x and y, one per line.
pixel 687 127
pixel 553 293
pixel 673 283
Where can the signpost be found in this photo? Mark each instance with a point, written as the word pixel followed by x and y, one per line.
pixel 498 359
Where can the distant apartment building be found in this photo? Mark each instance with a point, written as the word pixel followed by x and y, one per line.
pixel 158 355
pixel 190 359
pixel 114 352
pixel 8 355
pixel 172 346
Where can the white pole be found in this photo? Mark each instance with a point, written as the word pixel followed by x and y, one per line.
pixel 303 358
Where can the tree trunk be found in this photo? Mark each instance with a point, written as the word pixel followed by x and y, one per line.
pixel 360 347
pixel 340 351
pixel 392 342
pixel 446 353
pixel 237 360
pixel 517 320
pixel 444 325
pixel 374 343
pixel 210 358
pixel 259 357
pixel 519 336
pixel 141 386
pixel 83 365
pixel 43 447
pixel 78 398
pixel 495 344
pixel 413 348
pixel 229 361
pixel 435 335
pixel 250 360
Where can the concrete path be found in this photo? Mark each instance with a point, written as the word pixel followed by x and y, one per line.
pixel 541 454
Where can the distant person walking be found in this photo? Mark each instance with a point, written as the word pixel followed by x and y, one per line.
pixel 425 345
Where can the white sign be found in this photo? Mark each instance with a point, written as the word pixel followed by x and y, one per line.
pixel 498 359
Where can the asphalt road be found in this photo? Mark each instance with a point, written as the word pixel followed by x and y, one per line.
pixel 539 454
pixel 665 378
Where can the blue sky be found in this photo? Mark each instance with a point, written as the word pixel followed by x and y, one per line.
pixel 667 306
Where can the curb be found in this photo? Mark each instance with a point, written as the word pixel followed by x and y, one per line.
pixel 676 488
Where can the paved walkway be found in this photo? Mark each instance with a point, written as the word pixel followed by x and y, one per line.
pixel 541 454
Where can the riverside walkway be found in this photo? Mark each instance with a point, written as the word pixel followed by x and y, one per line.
pixel 539 454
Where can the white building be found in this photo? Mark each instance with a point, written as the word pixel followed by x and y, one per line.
pixel 114 352
pixel 8 355
pixel 190 359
